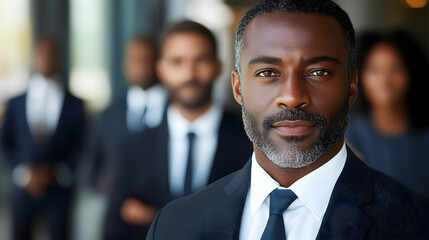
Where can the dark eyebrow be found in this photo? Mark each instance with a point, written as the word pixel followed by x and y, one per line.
pixel 265 59
pixel 321 59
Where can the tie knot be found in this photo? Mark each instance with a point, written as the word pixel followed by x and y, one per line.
pixel 280 199
pixel 191 136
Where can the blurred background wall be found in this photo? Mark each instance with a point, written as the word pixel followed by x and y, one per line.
pixel 93 34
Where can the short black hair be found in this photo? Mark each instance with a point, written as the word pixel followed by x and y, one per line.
pixel 416 64
pixel 188 26
pixel 322 7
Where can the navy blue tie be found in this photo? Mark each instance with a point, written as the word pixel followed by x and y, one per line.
pixel 189 167
pixel 280 199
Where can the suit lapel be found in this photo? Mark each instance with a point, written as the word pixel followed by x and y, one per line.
pixel 224 218
pixel 162 152
pixel 344 218
pixel 22 110
pixel 121 116
pixel 62 119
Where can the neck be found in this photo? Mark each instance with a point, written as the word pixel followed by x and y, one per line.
pixel 287 176
pixel 146 84
pixel 47 75
pixel 390 120
pixel 191 114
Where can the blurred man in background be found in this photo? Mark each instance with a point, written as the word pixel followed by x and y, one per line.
pixel 197 143
pixel 142 107
pixel 41 137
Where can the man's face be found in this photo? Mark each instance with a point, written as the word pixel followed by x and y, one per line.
pixel 46 57
pixel 293 88
pixel 140 64
pixel 188 67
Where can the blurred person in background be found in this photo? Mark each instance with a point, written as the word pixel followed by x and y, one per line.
pixel 392 133
pixel 197 143
pixel 142 107
pixel 41 139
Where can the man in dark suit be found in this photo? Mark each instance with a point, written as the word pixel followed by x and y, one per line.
pixel 141 108
pixel 197 143
pixel 41 137
pixel 295 78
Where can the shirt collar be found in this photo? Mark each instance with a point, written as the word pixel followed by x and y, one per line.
pixel 136 98
pixel 208 123
pixel 39 85
pixel 314 189
pixel 153 99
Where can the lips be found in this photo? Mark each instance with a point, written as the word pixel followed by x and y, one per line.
pixel 294 128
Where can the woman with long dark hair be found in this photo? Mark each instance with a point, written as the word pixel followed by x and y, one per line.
pixel 391 130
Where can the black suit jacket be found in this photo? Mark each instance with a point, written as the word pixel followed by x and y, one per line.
pixel 365 204
pixel 102 155
pixel 144 171
pixel 19 145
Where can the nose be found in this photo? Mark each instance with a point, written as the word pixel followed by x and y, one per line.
pixel 188 71
pixel 293 93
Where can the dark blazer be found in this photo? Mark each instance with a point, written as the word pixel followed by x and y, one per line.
pixel 19 145
pixel 63 146
pixel 144 171
pixel 365 204
pixel 108 132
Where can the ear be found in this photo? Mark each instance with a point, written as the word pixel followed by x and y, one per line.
pixel 353 86
pixel 236 86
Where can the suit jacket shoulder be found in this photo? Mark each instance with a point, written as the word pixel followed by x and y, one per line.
pixel 365 204
pixel 216 211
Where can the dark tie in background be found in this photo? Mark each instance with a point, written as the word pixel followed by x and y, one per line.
pixel 189 167
pixel 280 199
pixel 142 120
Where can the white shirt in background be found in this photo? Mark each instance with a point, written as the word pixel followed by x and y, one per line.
pixel 154 99
pixel 206 130
pixel 44 102
pixel 304 216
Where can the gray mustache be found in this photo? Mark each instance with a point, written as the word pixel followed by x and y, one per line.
pixel 293 115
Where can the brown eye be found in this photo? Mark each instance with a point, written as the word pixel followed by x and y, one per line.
pixel 319 73
pixel 267 73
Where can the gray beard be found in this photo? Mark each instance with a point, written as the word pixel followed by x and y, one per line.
pixel 294 156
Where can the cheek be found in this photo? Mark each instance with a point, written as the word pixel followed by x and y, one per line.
pixel 402 82
pixel 259 99
pixel 370 84
pixel 329 99
pixel 169 78
pixel 205 73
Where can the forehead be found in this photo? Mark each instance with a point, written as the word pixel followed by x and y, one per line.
pixel 290 34
pixel 138 47
pixel 384 50
pixel 184 43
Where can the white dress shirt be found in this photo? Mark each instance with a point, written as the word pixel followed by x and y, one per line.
pixel 304 216
pixel 153 99
pixel 206 130
pixel 44 102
